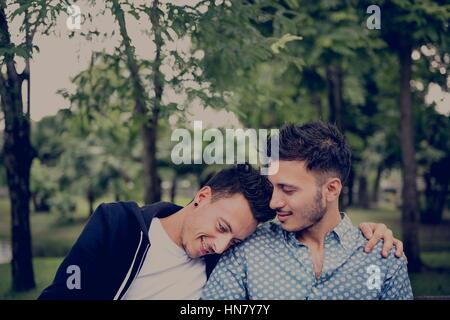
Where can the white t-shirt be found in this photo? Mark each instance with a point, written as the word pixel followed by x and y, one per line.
pixel 167 272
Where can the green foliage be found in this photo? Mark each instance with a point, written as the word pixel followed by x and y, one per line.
pixel 414 23
pixel 37 15
pixel 63 204
pixel 43 182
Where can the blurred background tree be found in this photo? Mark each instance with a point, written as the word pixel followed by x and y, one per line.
pixel 18 153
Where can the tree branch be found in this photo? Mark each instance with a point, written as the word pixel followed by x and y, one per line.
pixel 26 72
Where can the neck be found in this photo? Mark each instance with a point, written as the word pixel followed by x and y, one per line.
pixel 315 235
pixel 173 225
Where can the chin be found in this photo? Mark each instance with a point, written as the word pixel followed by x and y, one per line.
pixel 191 254
pixel 195 252
pixel 290 227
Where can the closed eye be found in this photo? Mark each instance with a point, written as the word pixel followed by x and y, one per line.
pixel 287 190
pixel 221 228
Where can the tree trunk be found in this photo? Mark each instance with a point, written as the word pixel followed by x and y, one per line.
pixel 90 199
pixel 18 156
pixel 35 201
pixel 149 127
pixel 350 183
pixel 173 188
pixel 376 184
pixel 335 100
pixel 363 194
pixel 335 105
pixel 154 188
pixel 317 103
pixel 410 203
pixel 346 196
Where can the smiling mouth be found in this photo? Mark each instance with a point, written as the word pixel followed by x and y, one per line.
pixel 204 250
pixel 283 216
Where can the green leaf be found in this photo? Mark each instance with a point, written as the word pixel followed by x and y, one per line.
pixel 281 43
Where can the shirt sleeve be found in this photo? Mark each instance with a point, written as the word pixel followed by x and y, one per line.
pixel 398 286
pixel 228 279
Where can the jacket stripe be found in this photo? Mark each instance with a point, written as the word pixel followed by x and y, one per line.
pixel 129 270
pixel 137 272
pixel 134 270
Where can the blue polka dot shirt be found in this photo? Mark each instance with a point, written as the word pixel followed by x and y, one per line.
pixel 273 264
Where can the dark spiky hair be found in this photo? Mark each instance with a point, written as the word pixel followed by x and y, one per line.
pixel 244 179
pixel 319 144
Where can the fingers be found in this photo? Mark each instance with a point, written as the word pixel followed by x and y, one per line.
pixel 388 243
pixel 374 232
pixel 371 243
pixel 399 248
pixel 366 229
pixel 378 229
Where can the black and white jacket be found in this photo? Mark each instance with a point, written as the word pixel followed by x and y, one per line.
pixel 110 252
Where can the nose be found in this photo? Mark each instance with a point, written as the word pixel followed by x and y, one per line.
pixel 276 201
pixel 222 243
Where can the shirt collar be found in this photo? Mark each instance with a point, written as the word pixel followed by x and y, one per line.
pixel 345 232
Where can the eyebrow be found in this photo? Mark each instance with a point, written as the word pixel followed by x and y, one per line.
pixel 286 185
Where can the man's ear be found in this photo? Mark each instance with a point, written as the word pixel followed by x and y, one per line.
pixel 333 188
pixel 204 194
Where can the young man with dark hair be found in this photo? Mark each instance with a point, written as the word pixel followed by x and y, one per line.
pixel 164 251
pixel 128 252
pixel 314 252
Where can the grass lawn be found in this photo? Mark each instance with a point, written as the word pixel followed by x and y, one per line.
pixel 44 271
pixel 432 283
pixel 53 238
